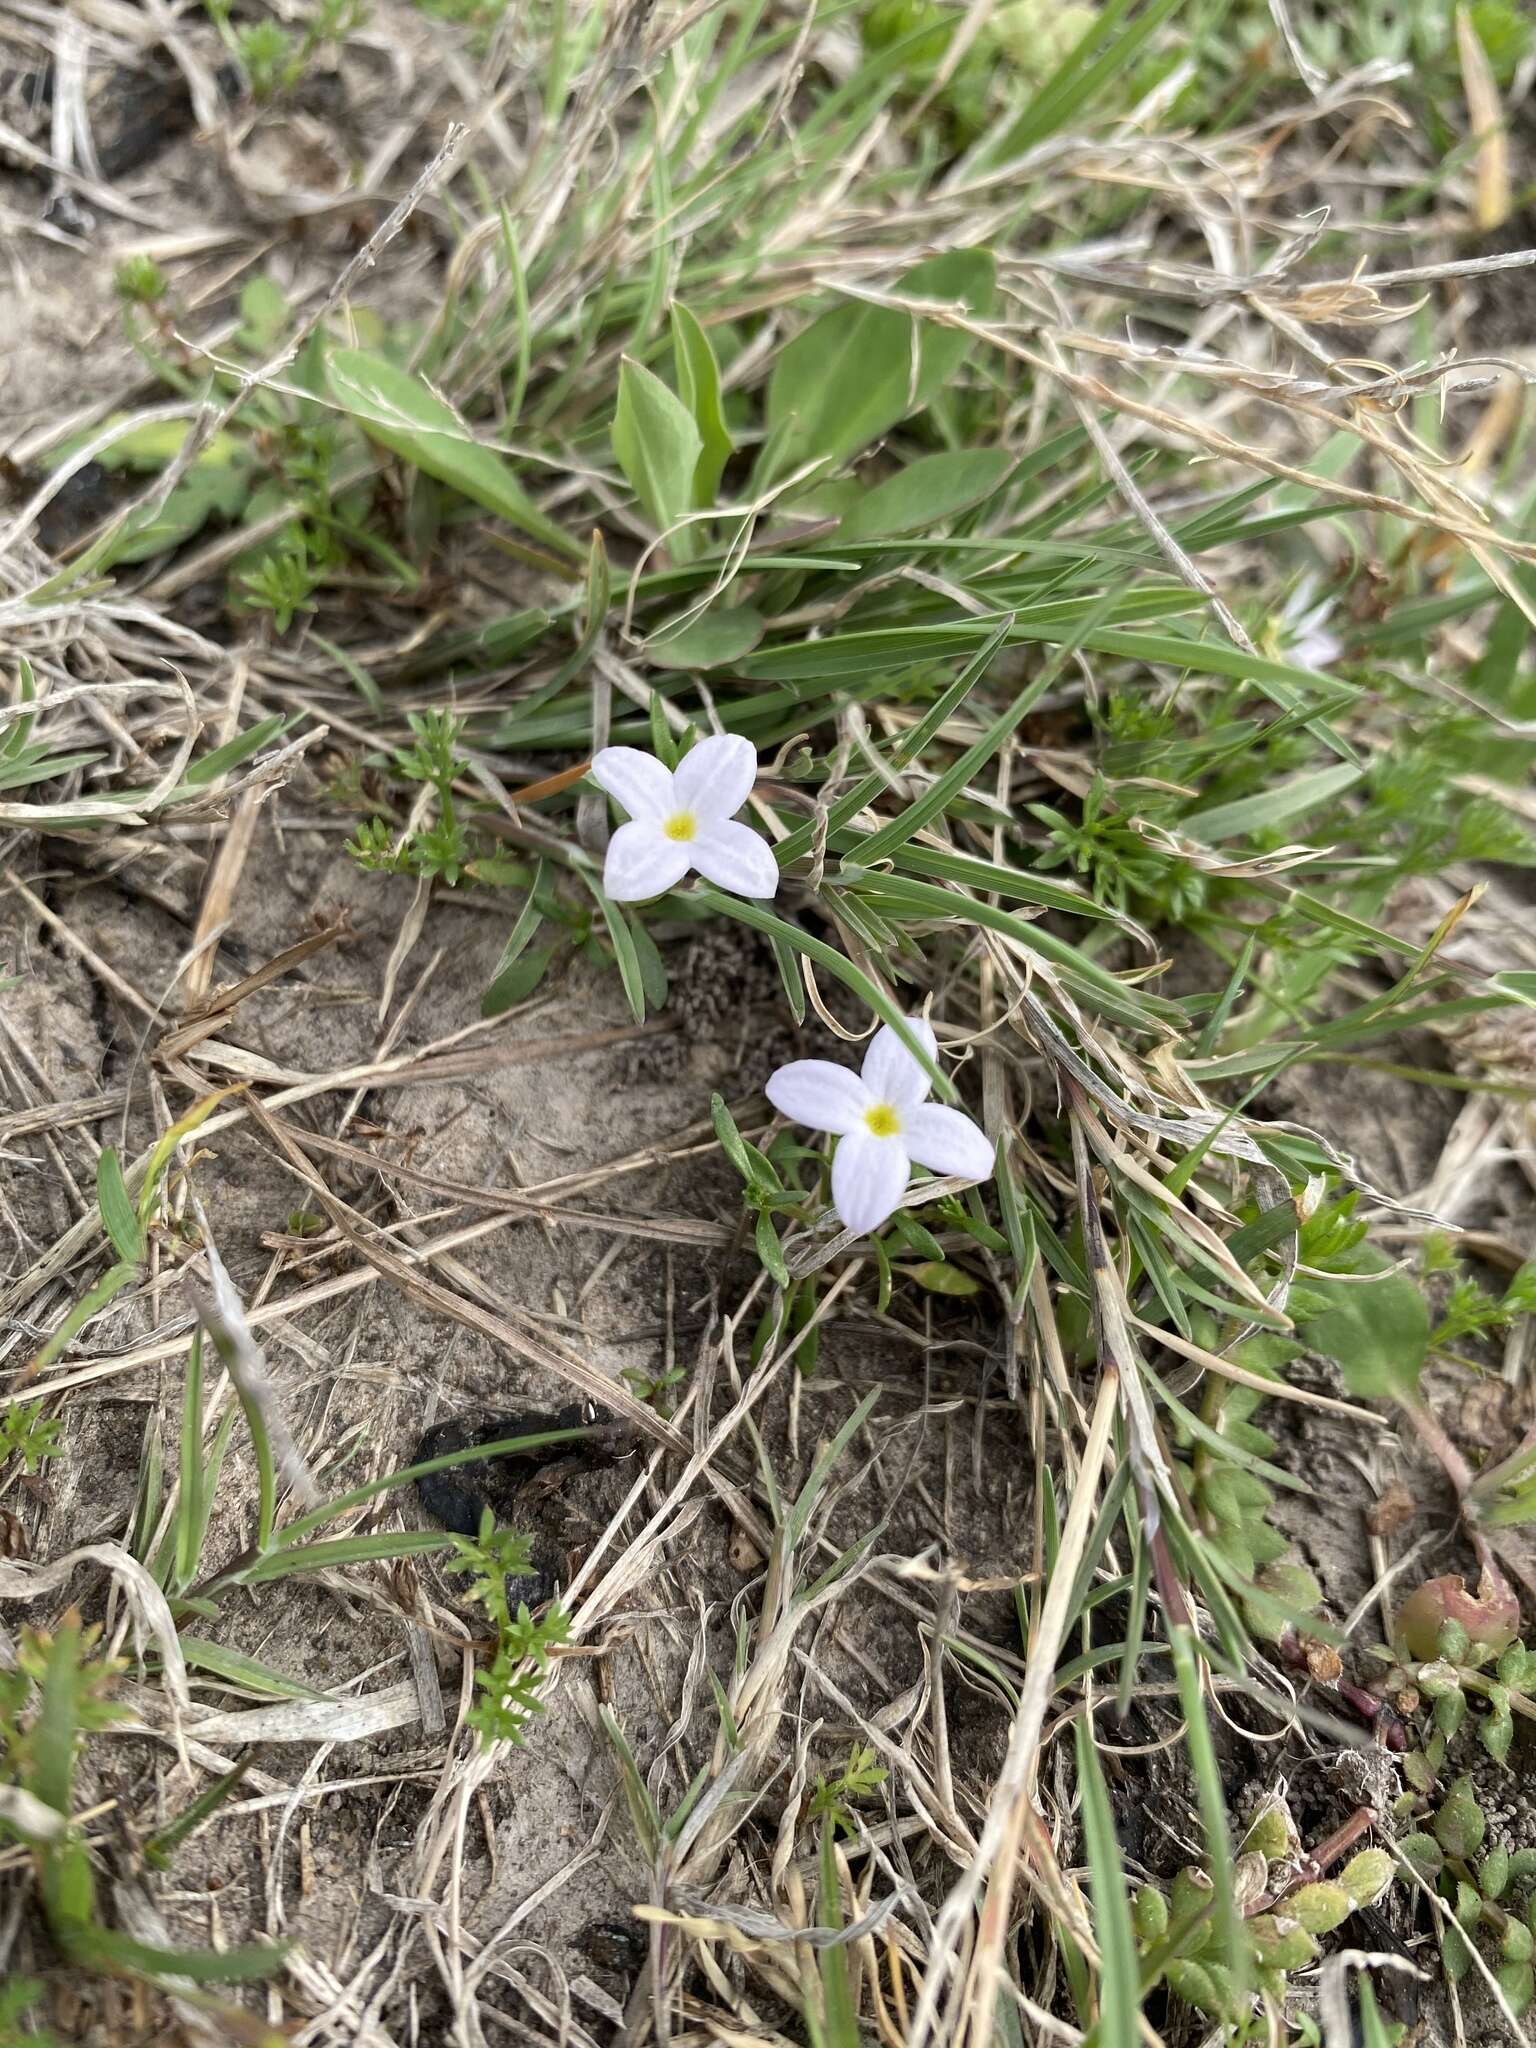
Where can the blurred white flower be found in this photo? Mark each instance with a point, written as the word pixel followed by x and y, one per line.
pixel 682 819
pixel 882 1124
pixel 1305 636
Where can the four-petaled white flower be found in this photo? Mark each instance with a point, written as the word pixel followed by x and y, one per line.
pixel 882 1124
pixel 682 819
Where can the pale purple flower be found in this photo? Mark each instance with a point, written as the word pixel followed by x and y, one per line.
pixel 882 1123
pixel 681 819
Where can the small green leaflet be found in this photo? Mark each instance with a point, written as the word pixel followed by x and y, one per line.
pixel 208 490
pixel 233 752
pixel 263 315
pixel 508 985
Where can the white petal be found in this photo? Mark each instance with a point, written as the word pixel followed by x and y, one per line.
pixel 643 862
pixel 818 1093
pixel 946 1142
pixel 638 780
pixel 735 858
pixel 716 778
pixel 890 1072
pixel 869 1177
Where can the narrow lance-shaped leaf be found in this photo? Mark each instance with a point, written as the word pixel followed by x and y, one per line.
pixel 934 488
pixel 1119 1982
pixel 406 416
pixel 698 383
pixel 497 997
pixel 117 1210
pixel 657 445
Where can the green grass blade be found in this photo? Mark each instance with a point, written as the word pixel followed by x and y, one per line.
pixel 1119 1977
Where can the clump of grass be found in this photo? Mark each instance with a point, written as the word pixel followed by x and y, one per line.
pixel 274 57
pixel 52 1700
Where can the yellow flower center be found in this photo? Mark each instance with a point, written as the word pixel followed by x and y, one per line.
pixel 682 825
pixel 882 1120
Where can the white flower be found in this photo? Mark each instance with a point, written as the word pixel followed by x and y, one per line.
pixel 681 820
pixel 882 1124
pixel 1304 634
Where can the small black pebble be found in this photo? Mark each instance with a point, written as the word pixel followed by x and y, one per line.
pixel 619 1945
pixel 458 1497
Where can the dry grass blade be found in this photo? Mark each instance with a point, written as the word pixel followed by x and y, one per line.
pixel 368 1243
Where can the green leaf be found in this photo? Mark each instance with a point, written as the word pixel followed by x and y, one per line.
pixel 769 1250
pixel 1460 1823
pixel 625 954
pixel 14 741
pixel 1424 1853
pixel 599 587
pixel 336 1551
pixel 731 1141
pixel 798 1518
pixel 858 370
pixel 653 973
pixel 263 315
pixel 1277 806
pixel 1517 1981
pixel 657 445
pixel 1119 1973
pixel 1375 1331
pixel 165 1145
pixel 242 1670
pixel 1226 1918
pixel 117 1210
pixel 698 383
pixel 233 752
pixel 937 1276
pixel 837 964
pixel 515 984
pixel 1107 51
pixel 50 1774
pixel 111 1284
pixel 714 639
pixel 159 1848
pixel 1373 2028
pixel 841 2026
pixel 496 998
pixel 32 765
pixel 102 1948
pixel 208 489
pixel 933 488
pixel 405 415
pixel 154 443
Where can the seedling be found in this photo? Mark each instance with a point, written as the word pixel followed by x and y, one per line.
pixel 27 1433
pixel 56 1696
pixel 509 1683
pixel 1486 1890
